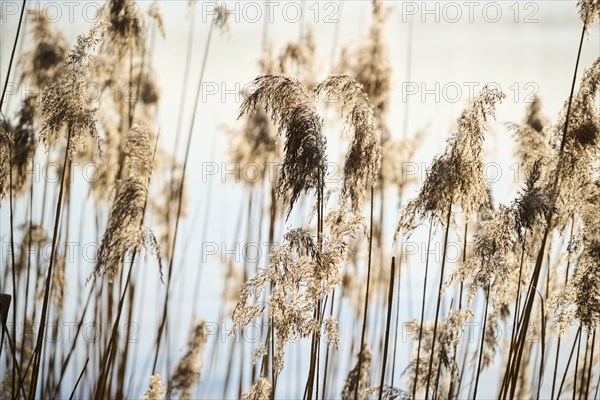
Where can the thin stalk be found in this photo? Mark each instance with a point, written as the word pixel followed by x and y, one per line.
pixel 507 374
pixel 72 396
pixel 12 54
pixel 324 393
pixel 487 301
pixel 12 249
pixel 543 346
pixel 308 392
pixel 66 360
pixel 589 373
pixel 559 336
pixel 414 390
pixel 584 369
pixel 179 203
pixel 562 382
pixel 110 350
pixel 40 337
pixel 439 299
pixel 576 366
pixel 554 196
pixel 366 306
pixel 387 326
pixel 460 295
pixel 13 351
pixel 399 286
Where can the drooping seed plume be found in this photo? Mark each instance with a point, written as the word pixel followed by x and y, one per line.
pixel 360 379
pixel 125 233
pixel 292 109
pixel 187 373
pixel 65 104
pixel 457 177
pixel 363 159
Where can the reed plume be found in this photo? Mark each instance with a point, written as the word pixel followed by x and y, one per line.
pixel 373 68
pixel 456 177
pixel 260 390
pixel 65 104
pixel 5 166
pixel 300 274
pixel 501 236
pixel 299 59
pixel 589 11
pixel 292 110
pixel 42 65
pixel 125 233
pixel 187 373
pixel 390 393
pixel 359 381
pixel 127 25
pixel 156 390
pixel 587 275
pixel 532 136
pixel 363 160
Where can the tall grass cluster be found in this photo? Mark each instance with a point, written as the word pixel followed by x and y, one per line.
pixel 329 300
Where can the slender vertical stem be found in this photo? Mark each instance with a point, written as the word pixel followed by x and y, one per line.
pixel 554 196
pixel 387 326
pixel 487 301
pixel 416 380
pixel 507 374
pixel 326 372
pixel 40 337
pixel 180 200
pixel 12 55
pixel 397 315
pixel 559 336
pixel 460 295
pixel 589 373
pixel 562 382
pixel 439 299
pixel 366 305
pixel 12 247
pixel 576 366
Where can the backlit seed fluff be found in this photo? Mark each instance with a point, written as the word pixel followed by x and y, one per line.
pixel 292 109
pixel 589 11
pixel 125 233
pixel 373 68
pixel 359 378
pixel 156 390
pixel 187 372
pixel 363 160
pixel 65 104
pixel 457 176
pixel 260 390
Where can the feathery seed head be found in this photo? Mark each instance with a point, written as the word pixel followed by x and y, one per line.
pixel 292 110
pixel 363 161
pixel 260 390
pixel 457 176
pixel 532 137
pixel 187 373
pixel 156 390
pixel 373 69
pixel 65 103
pixel 359 378
pixel 125 232
pixel 41 65
pixel 533 203
pixel 589 11
pixel 127 26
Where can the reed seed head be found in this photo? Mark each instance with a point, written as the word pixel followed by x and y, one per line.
pixel 292 110
pixel 363 161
